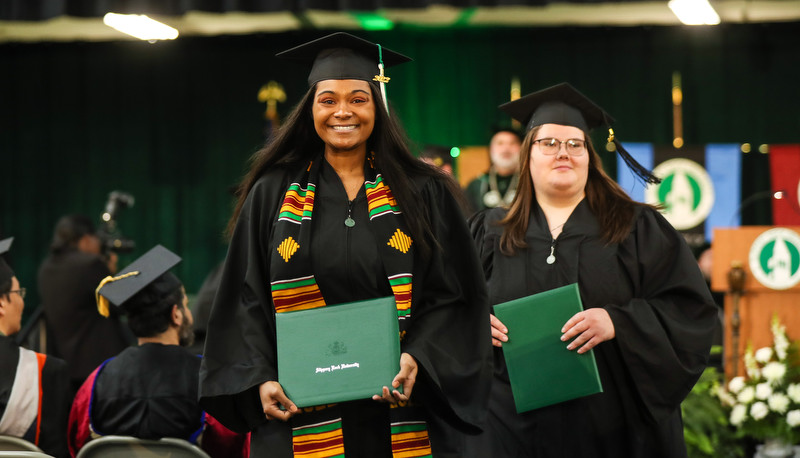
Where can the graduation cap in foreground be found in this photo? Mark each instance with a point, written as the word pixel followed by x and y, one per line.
pixel 564 105
pixel 151 269
pixel 341 56
pixel 5 270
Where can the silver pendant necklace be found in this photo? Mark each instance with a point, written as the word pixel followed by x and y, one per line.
pixel 552 258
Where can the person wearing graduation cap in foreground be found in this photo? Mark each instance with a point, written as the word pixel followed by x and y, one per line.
pixel 648 314
pixel 33 387
pixel 148 391
pixel 337 198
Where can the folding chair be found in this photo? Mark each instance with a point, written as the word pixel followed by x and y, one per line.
pixel 132 447
pixel 16 444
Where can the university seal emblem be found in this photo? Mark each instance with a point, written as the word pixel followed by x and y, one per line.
pixel 686 193
pixel 775 258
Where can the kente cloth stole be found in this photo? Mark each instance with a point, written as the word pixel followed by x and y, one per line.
pixel 317 432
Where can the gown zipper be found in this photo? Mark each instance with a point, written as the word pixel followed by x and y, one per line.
pixel 349 222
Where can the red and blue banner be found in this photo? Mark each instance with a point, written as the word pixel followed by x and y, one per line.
pixel 784 164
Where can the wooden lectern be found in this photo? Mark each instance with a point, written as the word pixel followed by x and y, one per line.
pixel 756 304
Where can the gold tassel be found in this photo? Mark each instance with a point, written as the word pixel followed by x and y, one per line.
pixel 102 301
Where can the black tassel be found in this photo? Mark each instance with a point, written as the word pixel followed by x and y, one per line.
pixel 637 168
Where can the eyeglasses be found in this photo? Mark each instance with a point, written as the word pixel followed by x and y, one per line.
pixel 551 146
pixel 21 292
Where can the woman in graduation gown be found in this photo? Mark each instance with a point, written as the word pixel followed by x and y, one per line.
pixel 648 315
pixel 335 209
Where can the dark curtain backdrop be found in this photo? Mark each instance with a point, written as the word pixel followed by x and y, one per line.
pixel 174 123
pixel 35 10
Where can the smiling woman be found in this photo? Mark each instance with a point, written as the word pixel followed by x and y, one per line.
pixel 344 116
pixel 336 209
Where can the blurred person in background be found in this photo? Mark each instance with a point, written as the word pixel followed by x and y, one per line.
pixel 497 187
pixel 439 157
pixel 67 281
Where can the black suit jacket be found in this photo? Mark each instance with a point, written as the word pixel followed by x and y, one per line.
pixel 77 332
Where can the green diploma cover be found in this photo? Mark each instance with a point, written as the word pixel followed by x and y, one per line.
pixel 339 352
pixel 541 369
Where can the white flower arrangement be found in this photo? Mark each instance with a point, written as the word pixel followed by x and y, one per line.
pixel 763 391
pixel 766 402
pixel 763 355
pixel 794 392
pixel 737 383
pixel 793 418
pixel 774 372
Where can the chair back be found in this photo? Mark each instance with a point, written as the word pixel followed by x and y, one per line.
pixel 24 454
pixel 16 444
pixel 132 447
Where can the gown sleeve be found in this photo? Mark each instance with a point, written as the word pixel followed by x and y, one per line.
pixel 664 332
pixel 483 238
pixel 55 406
pixel 78 429
pixel 220 441
pixel 448 336
pixel 240 348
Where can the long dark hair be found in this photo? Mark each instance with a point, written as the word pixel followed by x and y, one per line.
pixel 610 204
pixel 296 141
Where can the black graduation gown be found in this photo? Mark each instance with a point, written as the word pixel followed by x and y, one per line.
pixel 447 336
pixel 77 332
pixel 149 391
pixel 663 317
pixel 54 407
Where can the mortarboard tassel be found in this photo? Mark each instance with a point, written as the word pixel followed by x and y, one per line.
pixel 102 301
pixel 382 79
pixel 637 168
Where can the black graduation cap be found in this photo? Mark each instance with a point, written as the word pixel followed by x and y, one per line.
pixel 564 105
pixel 341 56
pixel 151 269
pixel 5 270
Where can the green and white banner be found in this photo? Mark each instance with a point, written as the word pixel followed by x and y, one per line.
pixel 700 187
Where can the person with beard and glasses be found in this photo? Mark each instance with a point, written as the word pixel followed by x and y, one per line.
pixel 497 187
pixel 336 209
pixel 148 391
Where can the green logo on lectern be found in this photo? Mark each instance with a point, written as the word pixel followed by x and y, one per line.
pixel 775 258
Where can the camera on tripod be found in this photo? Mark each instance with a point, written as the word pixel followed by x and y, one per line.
pixel 110 236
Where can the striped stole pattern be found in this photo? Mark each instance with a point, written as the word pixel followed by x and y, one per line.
pixel 380 199
pixel 410 440
pixel 298 203
pixel 296 294
pixel 319 440
pixel 401 287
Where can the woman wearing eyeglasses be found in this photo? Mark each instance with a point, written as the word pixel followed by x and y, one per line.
pixel 648 314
